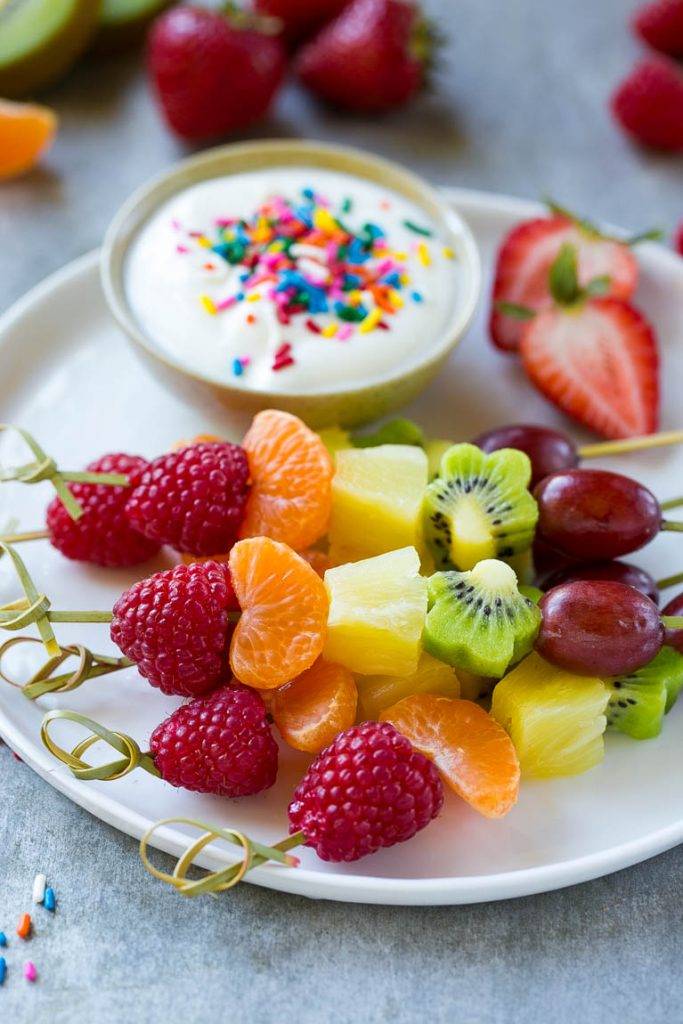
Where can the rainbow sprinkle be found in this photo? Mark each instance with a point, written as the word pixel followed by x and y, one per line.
pixel 306 260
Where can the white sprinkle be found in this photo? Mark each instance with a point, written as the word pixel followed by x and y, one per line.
pixel 39 883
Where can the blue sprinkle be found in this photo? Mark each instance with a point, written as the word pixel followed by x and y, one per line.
pixel 392 279
pixel 357 253
pixel 49 901
pixel 416 297
pixel 351 281
pixel 308 193
pixel 3 939
pixel 3 970
pixel 374 230
pixel 237 368
pixel 240 296
pixel 245 277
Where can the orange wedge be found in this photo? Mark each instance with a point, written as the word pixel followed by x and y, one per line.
pixel 284 606
pixel 473 753
pixel 315 707
pixel 26 130
pixel 291 478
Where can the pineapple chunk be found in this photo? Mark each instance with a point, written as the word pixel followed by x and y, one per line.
pixel 375 693
pixel 555 719
pixel 377 613
pixel 376 501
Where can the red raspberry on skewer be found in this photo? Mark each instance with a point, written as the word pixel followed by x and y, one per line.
pixel 218 744
pixel 193 499
pixel 175 626
pixel 102 535
pixel 368 789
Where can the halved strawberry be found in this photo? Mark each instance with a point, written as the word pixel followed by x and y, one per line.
pixel 595 357
pixel 525 258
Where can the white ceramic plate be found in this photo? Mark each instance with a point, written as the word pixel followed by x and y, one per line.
pixel 69 375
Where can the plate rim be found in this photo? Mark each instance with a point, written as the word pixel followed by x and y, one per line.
pixel 444 890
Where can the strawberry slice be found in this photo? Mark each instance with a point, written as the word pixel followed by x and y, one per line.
pixel 595 357
pixel 525 258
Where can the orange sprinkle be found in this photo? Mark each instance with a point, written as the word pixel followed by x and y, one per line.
pixel 251 319
pixel 24 926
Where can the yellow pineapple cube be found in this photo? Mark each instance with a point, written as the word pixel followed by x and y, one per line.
pixel 376 501
pixel 377 613
pixel 555 719
pixel 375 693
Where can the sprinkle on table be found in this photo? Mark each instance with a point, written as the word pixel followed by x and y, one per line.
pixel 30 972
pixel 3 939
pixel 24 926
pixel 39 883
pixel 424 255
pixel 50 900
pixel 237 367
pixel 3 970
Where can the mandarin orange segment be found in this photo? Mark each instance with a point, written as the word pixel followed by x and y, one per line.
pixel 26 130
pixel 291 476
pixel 315 707
pixel 284 606
pixel 471 750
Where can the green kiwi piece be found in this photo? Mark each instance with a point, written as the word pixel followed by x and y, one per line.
pixel 638 702
pixel 123 23
pixel 478 621
pixel 40 40
pixel 479 507
pixel 436 448
pixel 396 431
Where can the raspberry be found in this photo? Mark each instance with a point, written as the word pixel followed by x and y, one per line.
pixel 193 499
pixel 175 626
pixel 218 744
pixel 649 104
pixel 368 789
pixel 103 534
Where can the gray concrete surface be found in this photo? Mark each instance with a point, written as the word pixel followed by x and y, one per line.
pixel 518 106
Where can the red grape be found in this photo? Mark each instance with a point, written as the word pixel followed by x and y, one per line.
pixel 675 606
pixel 594 515
pixel 618 572
pixel 549 450
pixel 599 628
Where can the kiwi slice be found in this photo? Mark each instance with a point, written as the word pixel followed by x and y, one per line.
pixel 638 702
pixel 478 621
pixel 40 40
pixel 479 507
pixel 124 22
pixel 396 431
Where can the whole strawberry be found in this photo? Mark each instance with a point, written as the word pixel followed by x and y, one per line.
pixel 301 18
pixel 649 104
pixel 679 239
pixel 176 627
pixel 193 499
pixel 660 24
pixel 102 535
pixel 370 59
pixel 213 74
pixel 218 744
pixel 368 789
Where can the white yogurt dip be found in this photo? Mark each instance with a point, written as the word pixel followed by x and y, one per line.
pixel 292 279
